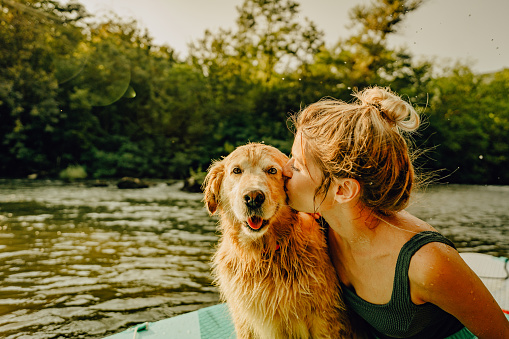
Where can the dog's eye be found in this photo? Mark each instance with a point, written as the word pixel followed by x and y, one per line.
pixel 236 170
pixel 272 170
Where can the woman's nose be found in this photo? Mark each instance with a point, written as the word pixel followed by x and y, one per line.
pixel 287 170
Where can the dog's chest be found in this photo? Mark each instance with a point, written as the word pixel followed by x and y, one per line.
pixel 271 274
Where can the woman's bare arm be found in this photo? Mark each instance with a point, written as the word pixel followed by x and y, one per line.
pixel 439 275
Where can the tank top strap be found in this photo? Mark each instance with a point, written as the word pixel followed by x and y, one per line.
pixel 401 288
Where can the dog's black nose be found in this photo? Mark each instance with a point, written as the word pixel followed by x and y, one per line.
pixel 254 199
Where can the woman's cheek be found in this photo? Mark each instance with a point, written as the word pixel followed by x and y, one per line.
pixel 290 189
pixel 296 195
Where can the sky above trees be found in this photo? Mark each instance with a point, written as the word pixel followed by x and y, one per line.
pixel 466 30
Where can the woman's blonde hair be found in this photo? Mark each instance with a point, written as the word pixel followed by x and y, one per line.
pixel 363 140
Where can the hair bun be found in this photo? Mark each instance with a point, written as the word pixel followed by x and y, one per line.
pixel 391 106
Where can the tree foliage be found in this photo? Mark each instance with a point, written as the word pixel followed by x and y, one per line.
pixel 469 125
pixel 99 94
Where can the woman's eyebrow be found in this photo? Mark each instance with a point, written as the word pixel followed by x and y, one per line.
pixel 299 159
pixel 292 156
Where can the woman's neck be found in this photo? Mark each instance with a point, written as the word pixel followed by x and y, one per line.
pixel 354 226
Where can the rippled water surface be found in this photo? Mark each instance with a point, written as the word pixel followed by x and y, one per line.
pixel 84 262
pixel 79 261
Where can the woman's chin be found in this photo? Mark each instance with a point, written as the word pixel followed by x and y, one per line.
pixel 297 207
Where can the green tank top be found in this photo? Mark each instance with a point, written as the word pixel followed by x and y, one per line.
pixel 400 317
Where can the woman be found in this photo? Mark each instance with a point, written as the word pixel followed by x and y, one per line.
pixel 351 165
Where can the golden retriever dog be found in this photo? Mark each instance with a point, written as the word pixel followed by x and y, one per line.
pixel 272 270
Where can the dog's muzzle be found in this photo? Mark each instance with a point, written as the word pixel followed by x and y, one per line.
pixel 254 199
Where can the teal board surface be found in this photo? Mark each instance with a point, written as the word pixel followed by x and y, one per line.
pixel 212 322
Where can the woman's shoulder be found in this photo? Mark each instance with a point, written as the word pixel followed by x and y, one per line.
pixel 401 228
pixel 434 255
pixel 433 259
pixel 433 267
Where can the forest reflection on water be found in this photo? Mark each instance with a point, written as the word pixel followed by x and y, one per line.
pixel 84 262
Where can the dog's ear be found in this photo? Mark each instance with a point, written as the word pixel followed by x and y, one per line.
pixel 212 184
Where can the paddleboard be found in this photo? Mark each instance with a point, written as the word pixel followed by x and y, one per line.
pixel 215 322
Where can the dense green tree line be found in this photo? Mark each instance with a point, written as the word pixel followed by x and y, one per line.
pixel 98 93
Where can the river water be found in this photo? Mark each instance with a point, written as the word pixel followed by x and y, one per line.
pixel 85 262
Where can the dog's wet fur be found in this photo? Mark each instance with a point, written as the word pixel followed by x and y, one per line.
pixel 271 267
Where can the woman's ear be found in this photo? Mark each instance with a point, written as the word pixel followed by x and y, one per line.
pixel 212 185
pixel 347 189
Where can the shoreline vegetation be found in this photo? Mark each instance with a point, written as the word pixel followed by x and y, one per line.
pixel 95 98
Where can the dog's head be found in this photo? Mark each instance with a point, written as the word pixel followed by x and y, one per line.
pixel 248 186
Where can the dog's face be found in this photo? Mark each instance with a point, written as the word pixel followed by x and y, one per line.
pixel 248 185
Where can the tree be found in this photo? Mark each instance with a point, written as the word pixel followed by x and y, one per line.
pixel 28 105
pixel 244 68
pixel 469 126
pixel 100 94
pixel 496 122
pixel 364 59
pixel 268 41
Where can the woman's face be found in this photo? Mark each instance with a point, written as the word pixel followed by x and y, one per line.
pixel 303 178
